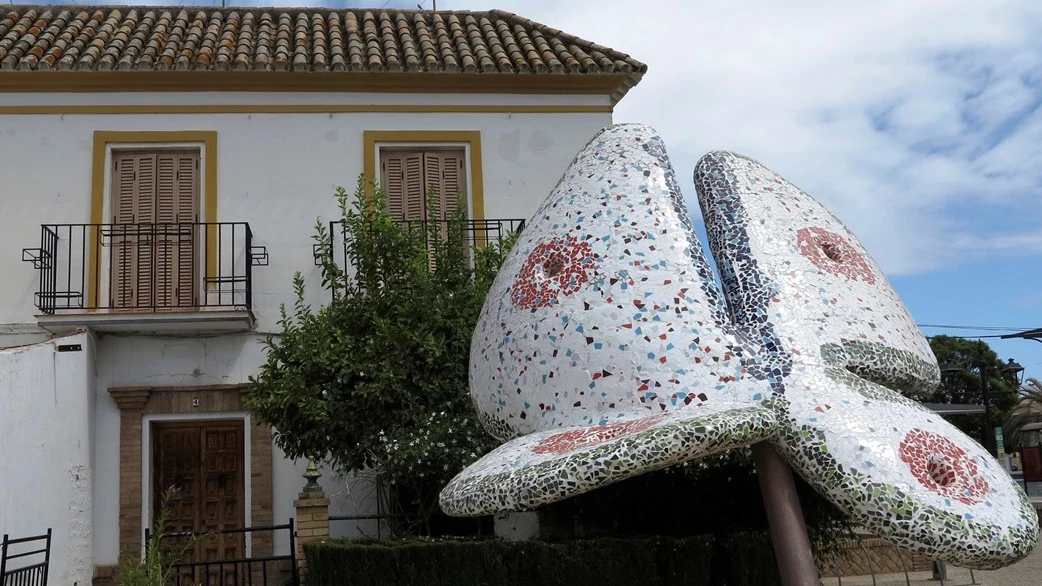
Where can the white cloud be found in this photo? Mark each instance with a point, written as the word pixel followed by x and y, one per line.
pixel 884 110
pixel 894 113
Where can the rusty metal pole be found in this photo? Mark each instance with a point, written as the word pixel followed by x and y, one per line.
pixel 785 518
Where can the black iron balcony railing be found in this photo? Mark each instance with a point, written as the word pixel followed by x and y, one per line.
pixel 145 267
pixel 477 232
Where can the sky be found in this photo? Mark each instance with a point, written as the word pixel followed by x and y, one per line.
pixel 917 123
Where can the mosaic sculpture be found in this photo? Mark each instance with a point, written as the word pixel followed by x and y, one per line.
pixel 607 348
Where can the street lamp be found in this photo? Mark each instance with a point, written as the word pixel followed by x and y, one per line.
pixel 982 368
pixel 1016 370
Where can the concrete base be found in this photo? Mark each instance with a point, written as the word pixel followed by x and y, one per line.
pixel 517 526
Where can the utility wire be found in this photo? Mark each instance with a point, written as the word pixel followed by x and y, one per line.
pixel 982 328
pixel 963 337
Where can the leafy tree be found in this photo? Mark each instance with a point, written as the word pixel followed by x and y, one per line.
pixel 964 386
pixel 378 378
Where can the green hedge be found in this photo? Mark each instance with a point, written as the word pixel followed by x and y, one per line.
pixel 741 560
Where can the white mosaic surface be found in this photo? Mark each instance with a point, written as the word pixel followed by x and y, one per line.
pixel 605 349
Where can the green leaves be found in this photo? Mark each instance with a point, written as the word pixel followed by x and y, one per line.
pixel 378 378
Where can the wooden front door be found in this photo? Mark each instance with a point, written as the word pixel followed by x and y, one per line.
pixel 205 461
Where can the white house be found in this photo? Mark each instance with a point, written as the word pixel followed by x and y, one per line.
pixel 162 171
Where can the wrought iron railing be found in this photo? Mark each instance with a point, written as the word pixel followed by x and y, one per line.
pixel 478 233
pixel 25 572
pixel 249 569
pixel 145 267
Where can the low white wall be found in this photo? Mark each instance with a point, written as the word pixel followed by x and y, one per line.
pixel 46 407
pixel 13 335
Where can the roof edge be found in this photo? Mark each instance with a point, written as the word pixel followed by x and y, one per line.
pixel 297 81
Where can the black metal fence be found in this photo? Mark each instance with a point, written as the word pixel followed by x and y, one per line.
pixel 29 569
pixel 145 267
pixel 248 570
pixel 478 233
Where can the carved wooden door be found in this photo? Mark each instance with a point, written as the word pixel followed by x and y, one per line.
pixel 204 461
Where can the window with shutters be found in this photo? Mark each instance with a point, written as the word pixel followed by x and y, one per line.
pixel 407 176
pixel 153 236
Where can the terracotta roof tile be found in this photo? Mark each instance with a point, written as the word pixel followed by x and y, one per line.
pixel 94 38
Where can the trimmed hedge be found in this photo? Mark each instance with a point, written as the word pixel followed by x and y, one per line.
pixel 741 560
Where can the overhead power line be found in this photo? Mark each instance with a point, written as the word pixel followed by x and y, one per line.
pixel 964 337
pixel 981 328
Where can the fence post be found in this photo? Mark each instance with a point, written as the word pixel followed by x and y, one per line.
pixel 3 557
pixel 312 512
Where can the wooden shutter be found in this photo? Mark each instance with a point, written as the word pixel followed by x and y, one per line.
pixel 432 184
pixel 155 201
pixel 451 182
pixel 187 214
pixel 176 197
pixel 122 249
pixel 414 189
pixel 443 173
pixel 391 169
pixel 401 175
pixel 134 184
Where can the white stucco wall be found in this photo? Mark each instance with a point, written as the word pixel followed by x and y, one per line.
pixel 46 412
pixel 275 171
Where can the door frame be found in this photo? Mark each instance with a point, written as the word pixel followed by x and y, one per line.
pixel 98 258
pixel 147 475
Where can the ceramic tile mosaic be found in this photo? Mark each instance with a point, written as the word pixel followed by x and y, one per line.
pixel 606 349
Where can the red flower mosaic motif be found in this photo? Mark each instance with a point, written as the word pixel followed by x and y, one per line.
pixel 942 466
pixel 555 268
pixel 833 254
pixel 581 438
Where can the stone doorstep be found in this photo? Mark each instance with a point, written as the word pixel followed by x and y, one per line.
pixel 104 576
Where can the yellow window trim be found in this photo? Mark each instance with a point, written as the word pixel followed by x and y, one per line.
pixel 105 138
pixel 472 138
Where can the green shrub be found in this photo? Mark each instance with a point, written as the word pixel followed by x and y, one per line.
pixel 376 380
pixel 745 559
pixel 652 561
